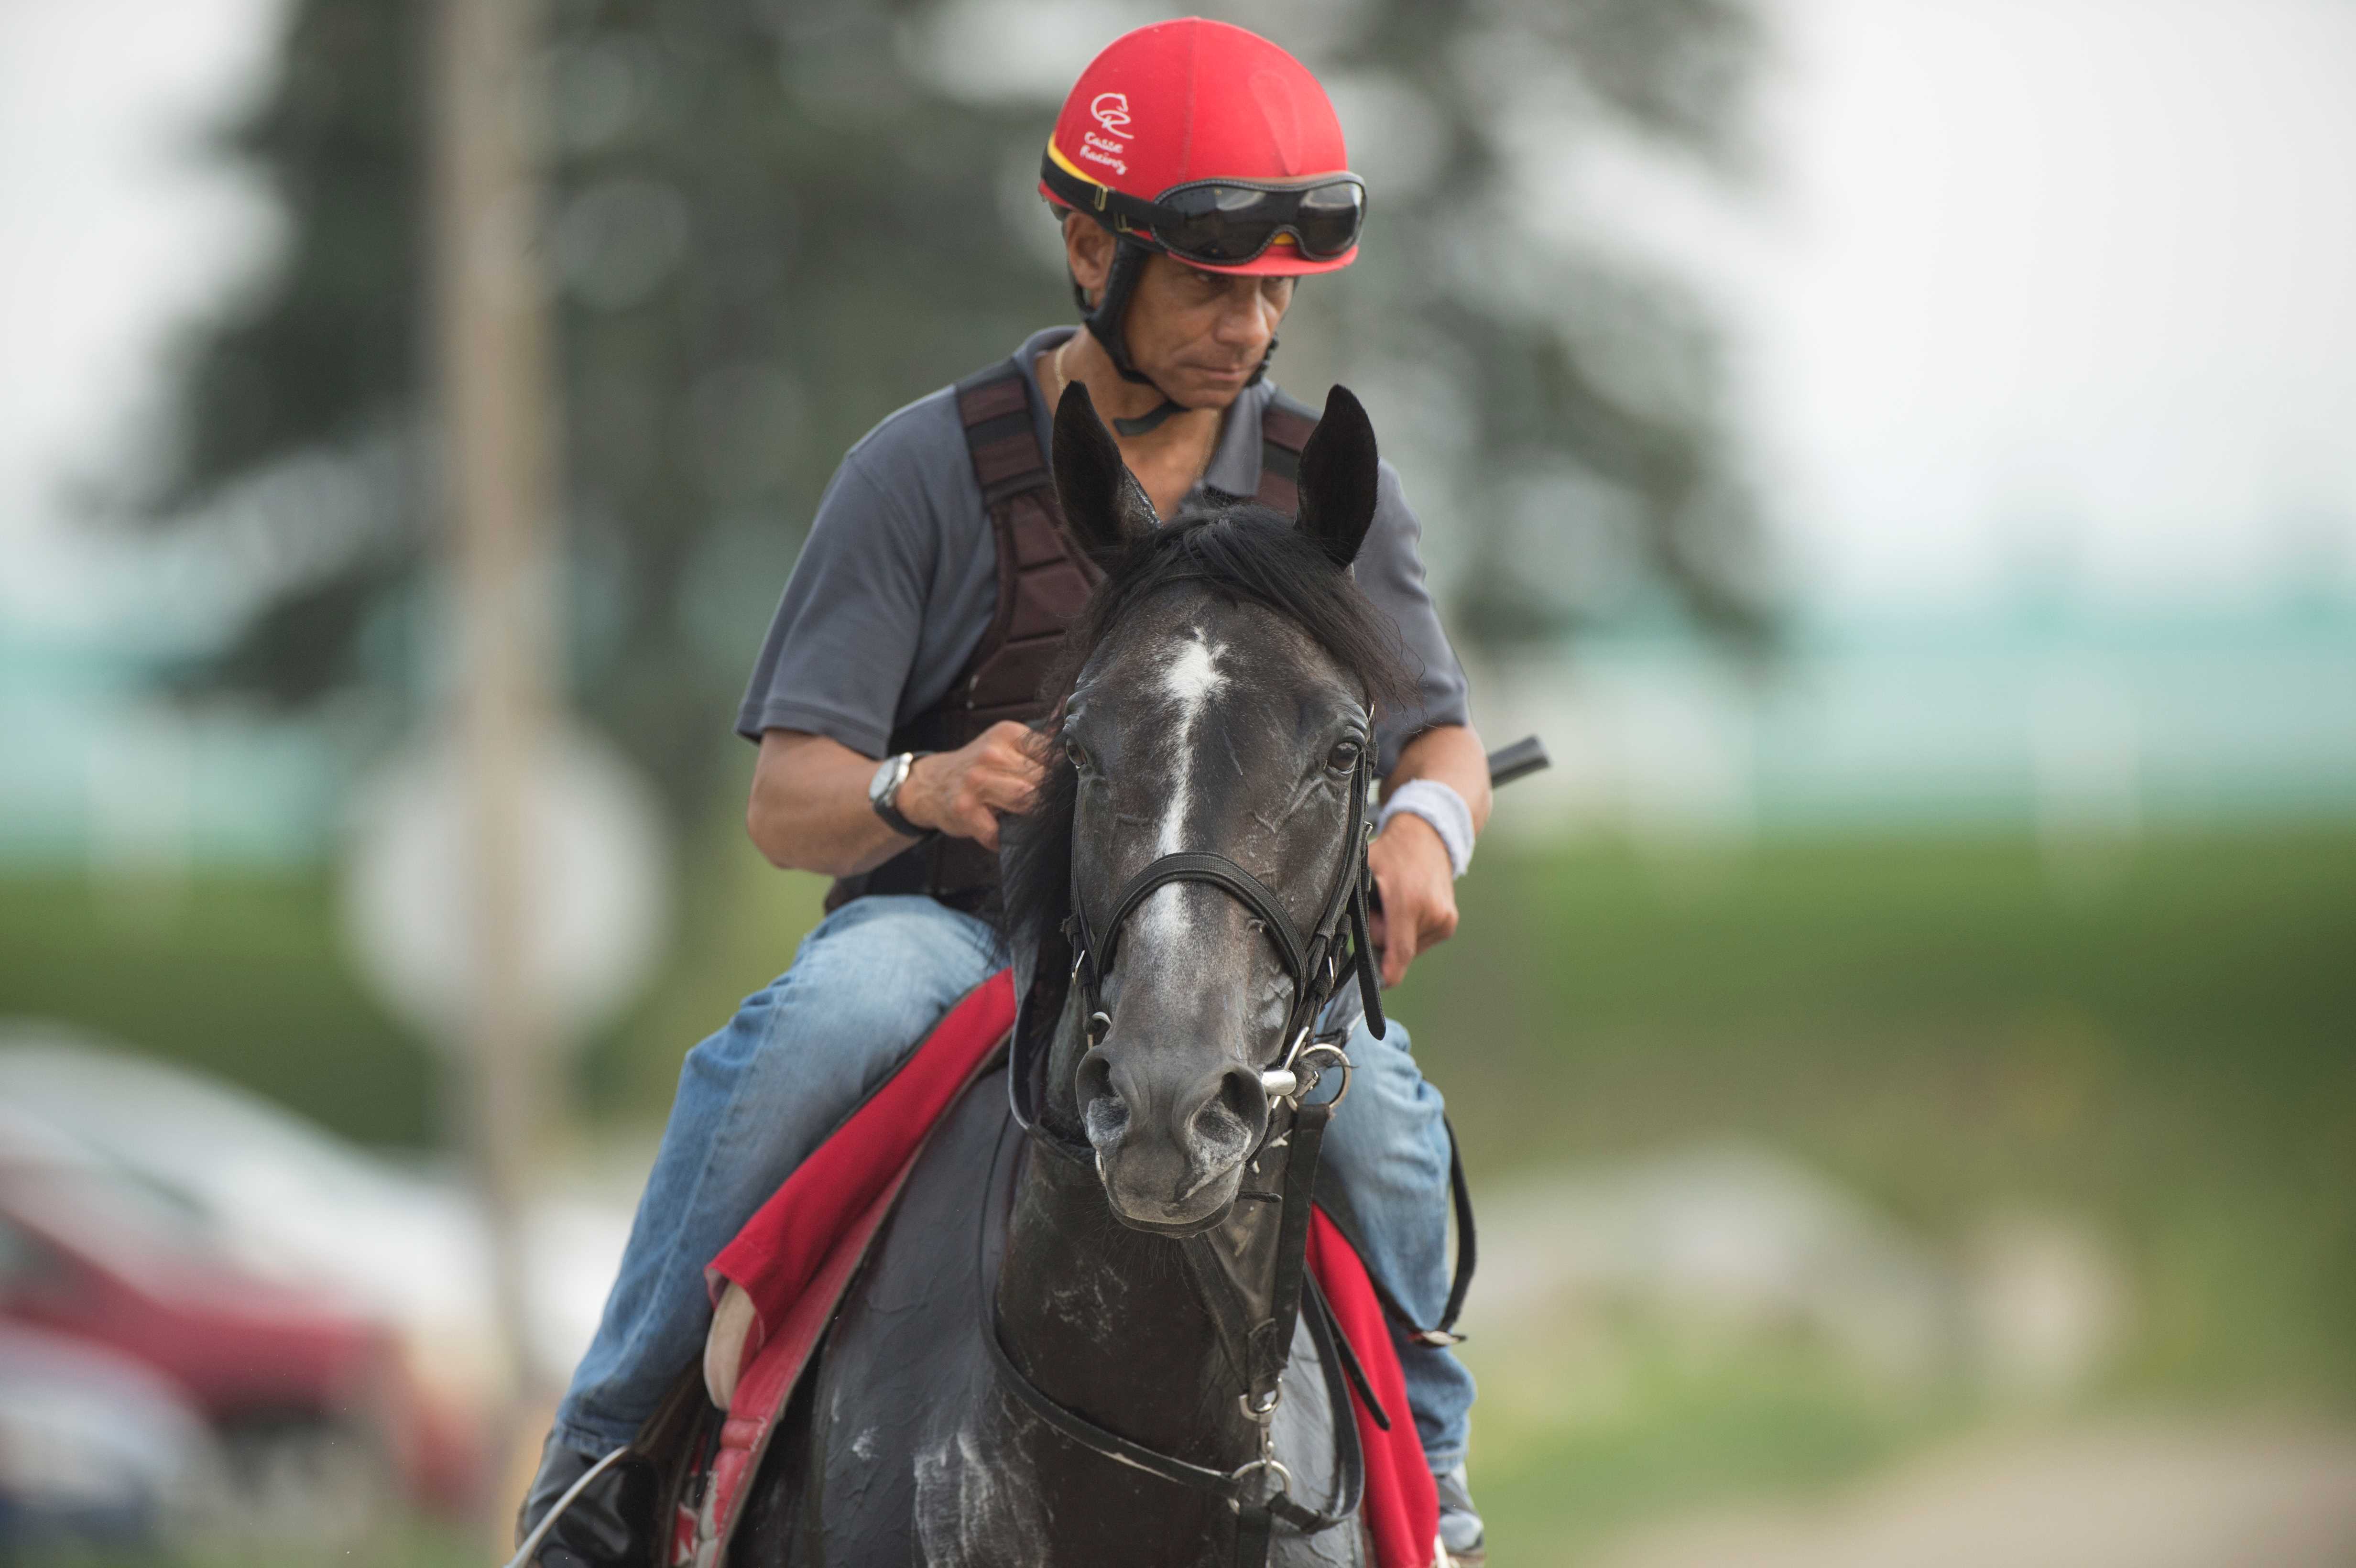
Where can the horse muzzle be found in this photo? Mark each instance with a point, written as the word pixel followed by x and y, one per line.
pixel 1171 1134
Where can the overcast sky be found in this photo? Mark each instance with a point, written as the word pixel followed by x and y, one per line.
pixel 115 231
pixel 2073 267
pixel 2027 282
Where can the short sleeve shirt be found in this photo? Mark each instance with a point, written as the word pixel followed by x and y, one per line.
pixel 899 580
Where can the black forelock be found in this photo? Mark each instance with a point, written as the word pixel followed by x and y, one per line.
pixel 1247 554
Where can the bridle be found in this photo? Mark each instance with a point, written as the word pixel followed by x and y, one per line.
pixel 1337 944
pixel 1314 965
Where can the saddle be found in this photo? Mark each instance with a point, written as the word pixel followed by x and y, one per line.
pixel 779 1285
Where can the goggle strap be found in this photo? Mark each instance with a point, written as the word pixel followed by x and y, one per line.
pixel 1134 215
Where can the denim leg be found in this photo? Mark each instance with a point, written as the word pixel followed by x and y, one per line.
pixel 755 1100
pixel 1387 1151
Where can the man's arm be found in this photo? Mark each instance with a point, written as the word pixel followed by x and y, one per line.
pixel 809 810
pixel 1410 862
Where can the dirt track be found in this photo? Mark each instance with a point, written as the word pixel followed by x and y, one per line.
pixel 2152 1495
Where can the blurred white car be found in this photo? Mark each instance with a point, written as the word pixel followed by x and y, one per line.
pixel 95 1448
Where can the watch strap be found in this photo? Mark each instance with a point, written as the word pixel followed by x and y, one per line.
pixel 887 805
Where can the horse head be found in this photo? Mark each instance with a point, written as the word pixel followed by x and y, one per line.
pixel 1218 704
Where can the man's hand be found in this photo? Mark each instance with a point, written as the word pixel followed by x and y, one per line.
pixel 1419 888
pixel 1410 861
pixel 963 793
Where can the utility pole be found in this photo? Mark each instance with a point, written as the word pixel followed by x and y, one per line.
pixel 491 350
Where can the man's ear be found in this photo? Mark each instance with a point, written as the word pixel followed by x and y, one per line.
pixel 1104 506
pixel 1087 254
pixel 1338 476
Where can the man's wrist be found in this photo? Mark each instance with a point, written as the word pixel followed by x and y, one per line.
pixel 887 791
pixel 1436 804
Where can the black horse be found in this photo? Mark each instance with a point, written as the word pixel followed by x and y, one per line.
pixel 1217 695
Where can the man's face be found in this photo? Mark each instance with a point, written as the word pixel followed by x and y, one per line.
pixel 1198 335
pixel 1201 335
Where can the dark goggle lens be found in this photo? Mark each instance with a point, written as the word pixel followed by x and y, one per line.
pixel 1228 225
pixel 1329 218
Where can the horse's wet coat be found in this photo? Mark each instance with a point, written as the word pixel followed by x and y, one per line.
pixel 1201 717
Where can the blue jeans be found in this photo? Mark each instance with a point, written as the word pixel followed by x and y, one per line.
pixel 867 987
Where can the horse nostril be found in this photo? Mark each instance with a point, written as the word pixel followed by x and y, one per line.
pixel 1241 1095
pixel 1100 1103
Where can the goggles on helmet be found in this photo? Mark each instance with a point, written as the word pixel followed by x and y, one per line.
pixel 1226 223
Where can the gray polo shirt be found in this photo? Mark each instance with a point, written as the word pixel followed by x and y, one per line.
pixel 899 580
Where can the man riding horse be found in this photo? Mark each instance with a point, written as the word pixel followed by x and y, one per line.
pixel 1198 171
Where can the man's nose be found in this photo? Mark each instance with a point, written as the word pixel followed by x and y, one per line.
pixel 1248 317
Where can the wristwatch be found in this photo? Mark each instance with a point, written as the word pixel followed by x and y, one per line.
pixel 884 793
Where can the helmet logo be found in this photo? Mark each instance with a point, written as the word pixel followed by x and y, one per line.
pixel 1112 111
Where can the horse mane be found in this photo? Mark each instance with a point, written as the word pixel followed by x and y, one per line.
pixel 1247 554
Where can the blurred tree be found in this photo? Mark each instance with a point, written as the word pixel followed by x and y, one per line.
pixel 771 221
pixel 1562 393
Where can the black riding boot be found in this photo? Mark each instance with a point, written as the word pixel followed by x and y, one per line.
pixel 610 1525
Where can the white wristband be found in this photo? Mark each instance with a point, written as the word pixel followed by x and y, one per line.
pixel 1440 805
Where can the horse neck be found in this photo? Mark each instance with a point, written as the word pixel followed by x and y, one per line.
pixel 1110 1322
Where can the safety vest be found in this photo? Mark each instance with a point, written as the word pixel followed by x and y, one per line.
pixel 1044 580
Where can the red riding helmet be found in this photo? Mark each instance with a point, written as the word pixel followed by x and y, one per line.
pixel 1211 144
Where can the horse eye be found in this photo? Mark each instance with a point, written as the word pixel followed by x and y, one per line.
pixel 1344 757
pixel 1077 754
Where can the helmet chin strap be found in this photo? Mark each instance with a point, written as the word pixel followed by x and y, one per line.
pixel 1104 319
pixel 1151 420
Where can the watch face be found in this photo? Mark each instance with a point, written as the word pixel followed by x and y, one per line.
pixel 887 774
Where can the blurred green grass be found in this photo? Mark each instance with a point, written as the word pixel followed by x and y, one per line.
pixel 238 975
pixel 1569 1446
pixel 1943 1025
pixel 1947 1025
pixel 402 1543
pixel 1950 1027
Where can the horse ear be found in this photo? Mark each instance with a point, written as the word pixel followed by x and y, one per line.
pixel 1104 506
pixel 1339 471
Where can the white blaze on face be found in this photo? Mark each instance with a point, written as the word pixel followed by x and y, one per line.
pixel 1190 682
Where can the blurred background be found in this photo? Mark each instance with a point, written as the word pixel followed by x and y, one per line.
pixel 1895 452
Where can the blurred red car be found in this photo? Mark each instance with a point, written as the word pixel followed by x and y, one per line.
pixel 307 1394
pixel 262 1193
